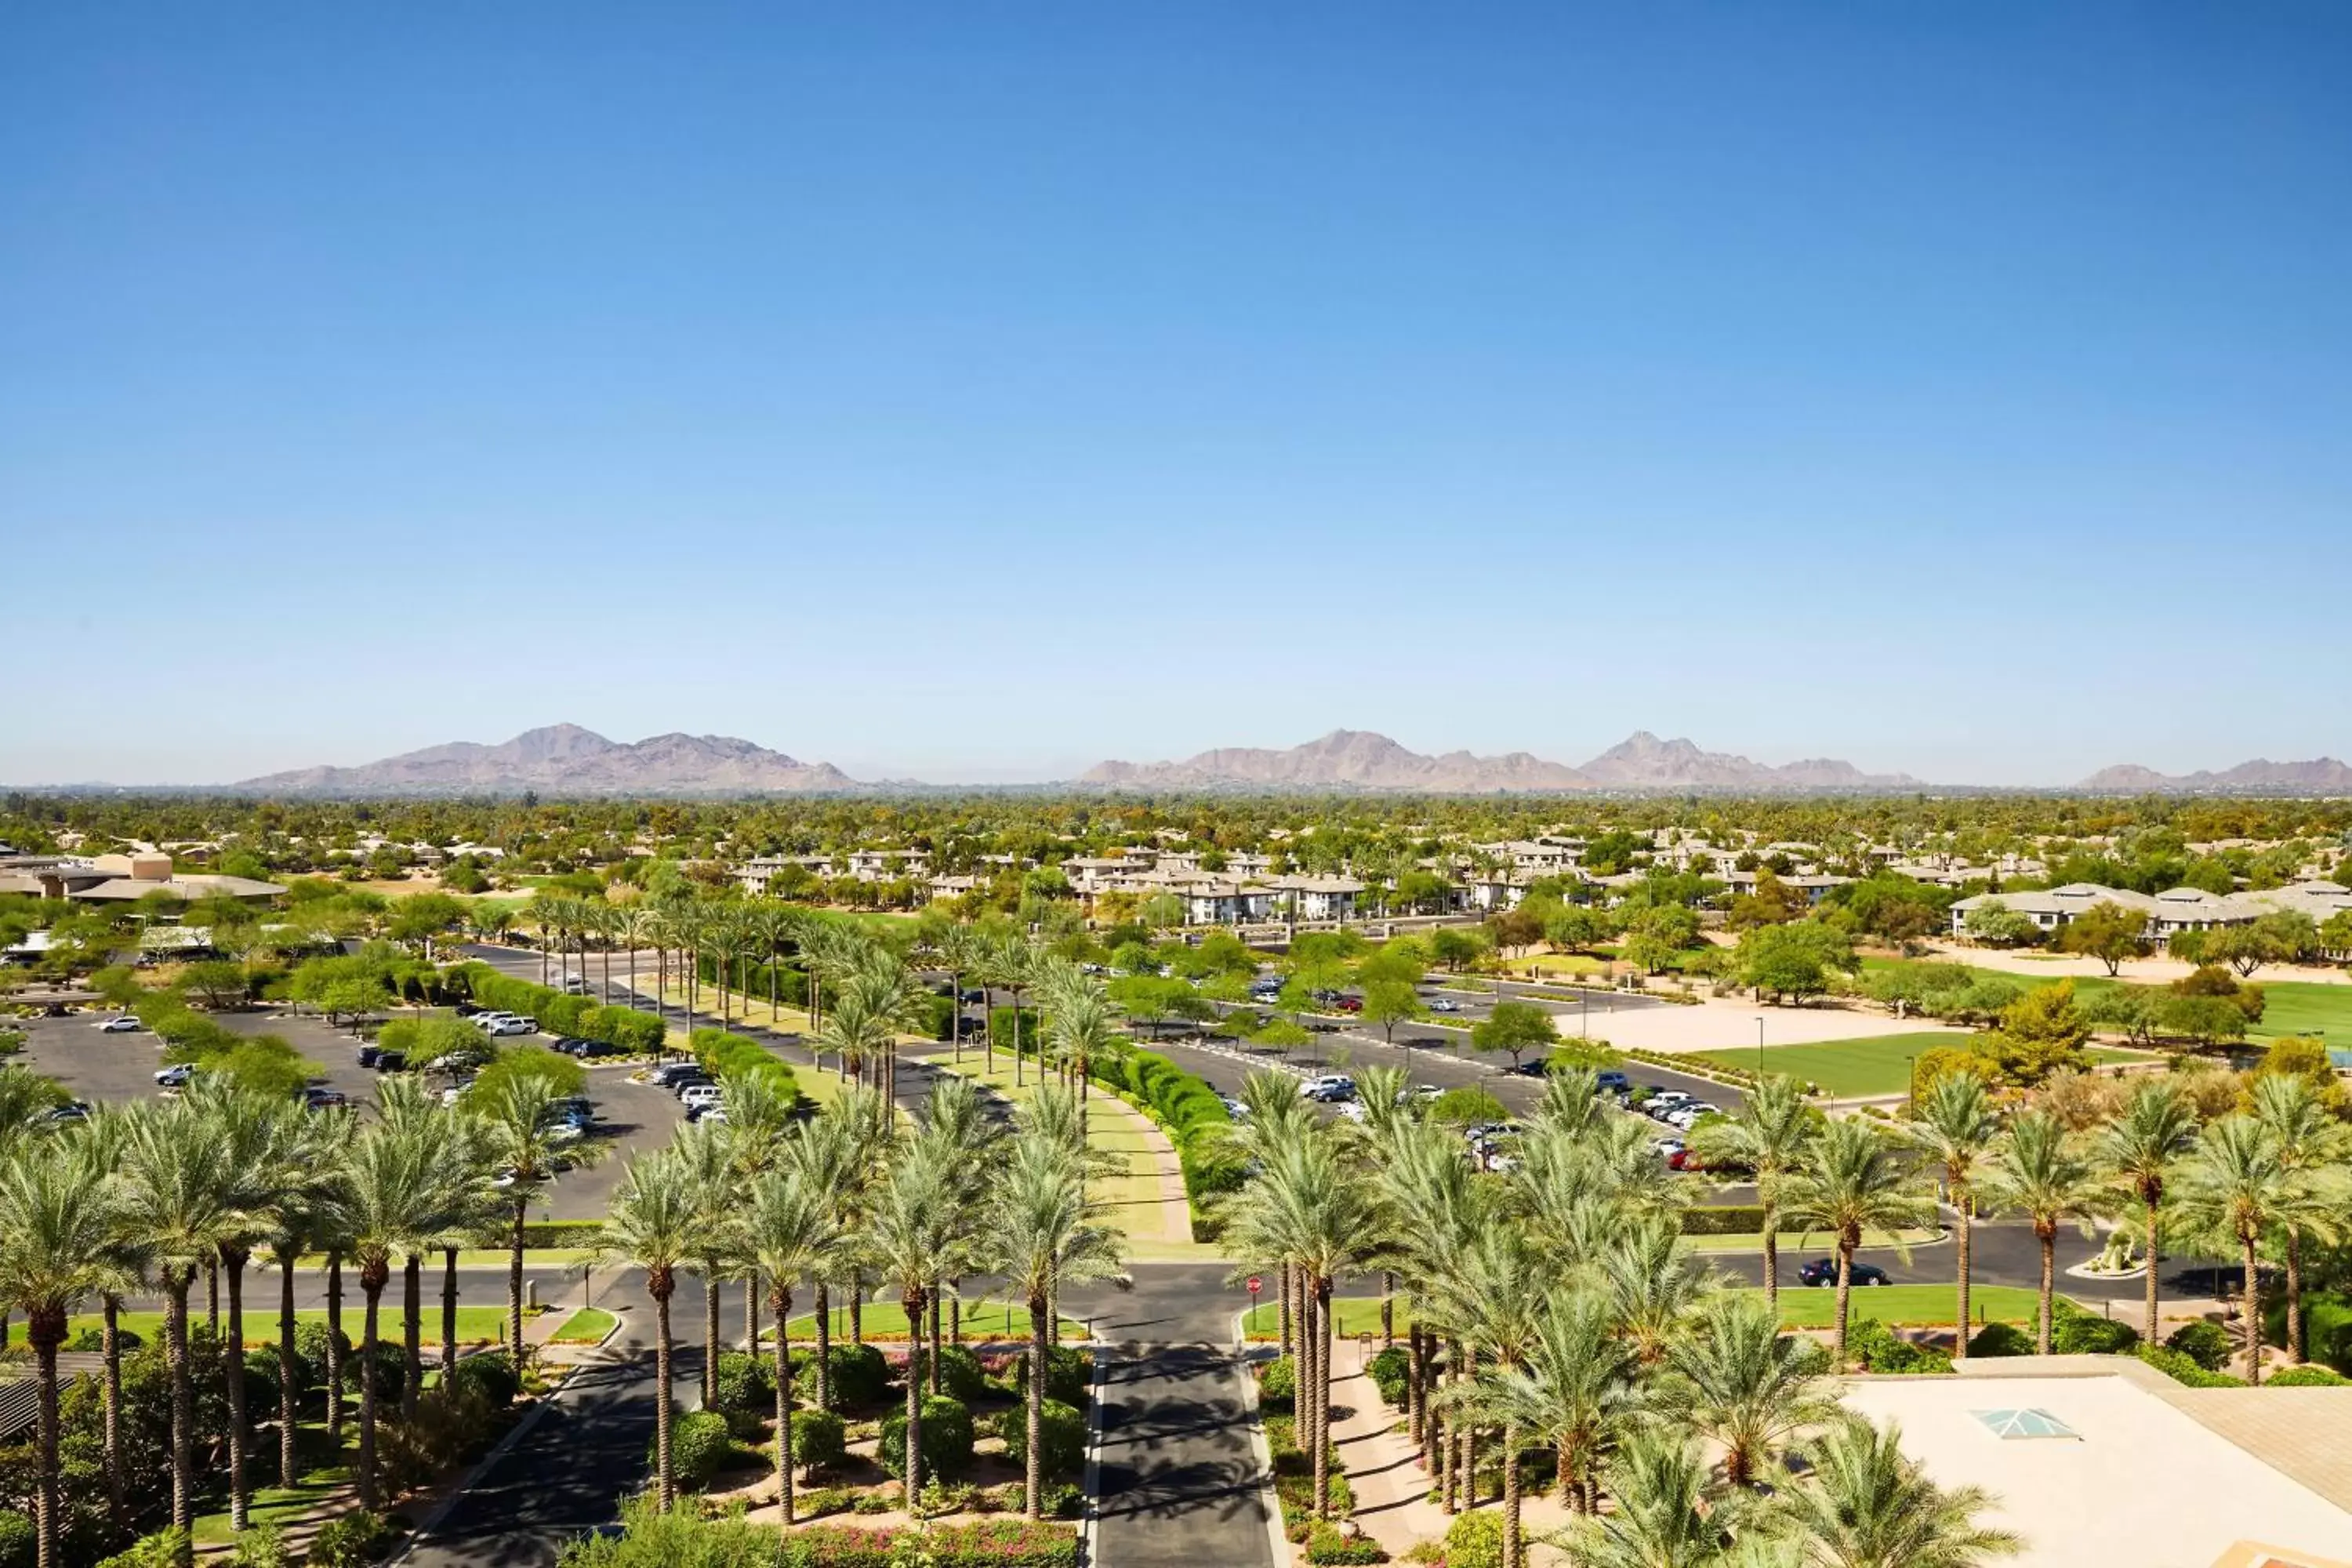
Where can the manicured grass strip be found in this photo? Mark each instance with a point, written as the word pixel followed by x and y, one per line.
pixel 1804 1307
pixel 276 1505
pixel 887 1320
pixel 1879 1064
pixel 1130 1197
pixel 476 1325
pixel 472 1256
pixel 1357 1314
pixel 587 1326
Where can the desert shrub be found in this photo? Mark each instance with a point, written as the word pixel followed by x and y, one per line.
pixel 700 1444
pixel 1877 1348
pixel 2312 1376
pixel 1277 1384
pixel 1067 1373
pixel 1325 1543
pixel 2001 1339
pixel 860 1375
pixel 92 1340
pixel 2327 1317
pixel 946 1440
pixel 348 1541
pixel 2206 1343
pixel 1390 1371
pixel 2079 1333
pixel 1060 1500
pixel 163 1549
pixel 2180 1366
pixel 1475 1540
pixel 391 1369
pixel 820 1442
pixel 491 1375
pixel 745 1392
pixel 1061 1437
pixel 962 1376
pixel 1724 1219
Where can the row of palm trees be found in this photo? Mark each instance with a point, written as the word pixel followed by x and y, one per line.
pixel 150 1197
pixel 856 1196
pixel 1555 1307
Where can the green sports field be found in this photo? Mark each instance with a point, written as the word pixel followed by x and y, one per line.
pixel 1878 1063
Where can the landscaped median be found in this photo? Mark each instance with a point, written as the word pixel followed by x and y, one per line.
pixel 635 1032
pixel 1194 1117
pixel 1904 1306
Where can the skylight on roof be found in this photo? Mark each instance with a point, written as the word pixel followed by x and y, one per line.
pixel 2008 1424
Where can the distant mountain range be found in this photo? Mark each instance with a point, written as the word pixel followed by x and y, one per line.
pixel 1356 759
pixel 2321 775
pixel 566 759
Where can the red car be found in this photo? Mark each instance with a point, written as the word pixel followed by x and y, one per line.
pixel 1349 1004
pixel 1685 1160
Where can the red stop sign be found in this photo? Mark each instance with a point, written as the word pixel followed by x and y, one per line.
pixel 1254 1283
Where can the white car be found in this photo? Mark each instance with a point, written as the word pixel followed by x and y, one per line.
pixel 513 1026
pixel 120 1024
pixel 1443 1004
pixel 455 1092
pixel 1667 1146
pixel 176 1076
pixel 702 1094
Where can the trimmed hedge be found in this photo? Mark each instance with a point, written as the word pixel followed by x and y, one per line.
pixel 1193 1116
pixel 700 1444
pixel 1389 1372
pixel 1325 1543
pixel 2206 1343
pixel 820 1440
pixel 1727 1219
pixel 2181 1368
pixel 1068 1375
pixel 2312 1376
pixel 2001 1339
pixel 960 1374
pixel 857 1375
pixel 983 1543
pixel 561 1233
pixel 559 1012
pixel 728 1056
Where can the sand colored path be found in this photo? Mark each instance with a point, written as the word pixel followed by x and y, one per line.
pixel 1719 1026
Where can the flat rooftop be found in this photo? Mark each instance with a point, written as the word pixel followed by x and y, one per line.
pixel 2102 1460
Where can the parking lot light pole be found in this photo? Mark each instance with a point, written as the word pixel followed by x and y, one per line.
pixel 1760 1047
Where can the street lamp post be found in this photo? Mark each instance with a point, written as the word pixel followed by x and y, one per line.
pixel 1760 1047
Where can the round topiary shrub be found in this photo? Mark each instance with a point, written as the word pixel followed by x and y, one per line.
pixel 859 1376
pixel 2001 1339
pixel 820 1441
pixel 1390 1371
pixel 1067 1373
pixel 960 1374
pixel 1061 1437
pixel 1476 1540
pixel 2307 1377
pixel 2079 1333
pixel 491 1374
pixel 700 1444
pixel 311 1349
pixel 1278 1385
pixel 745 1392
pixel 2206 1343
pixel 947 1439
pixel 391 1369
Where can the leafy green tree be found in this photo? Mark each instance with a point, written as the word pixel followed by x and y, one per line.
pixel 1388 1003
pixel 1455 950
pixel 1517 1027
pixel 2108 932
pixel 2041 1033
pixel 1996 925
pixel 1795 960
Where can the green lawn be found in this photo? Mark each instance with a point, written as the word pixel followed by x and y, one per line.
pixel 1800 1307
pixel 2291 1006
pixel 476 1325
pixel 1816 1308
pixel 887 1320
pixel 279 1504
pixel 587 1326
pixel 1878 1063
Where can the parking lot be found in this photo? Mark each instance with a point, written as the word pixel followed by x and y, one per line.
pixel 116 1069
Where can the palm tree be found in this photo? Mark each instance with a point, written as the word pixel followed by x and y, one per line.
pixel 2312 1145
pixel 962 952
pixel 57 1247
pixel 1043 1233
pixel 179 1202
pixel 1768 1136
pixel 1574 1390
pixel 654 1223
pixel 2138 1151
pixel 631 925
pixel 2235 1183
pixel 1661 1520
pixel 1955 1129
pixel 708 1156
pixel 788 1230
pixel 1867 1505
pixel 1741 1383
pixel 396 1194
pixel 97 1148
pixel 829 1160
pixel 913 1234
pixel 517 1123
pixel 1848 1182
pixel 759 1115
pixel 1494 1298
pixel 774 928
pixel 2037 1171
pixel 1652 1284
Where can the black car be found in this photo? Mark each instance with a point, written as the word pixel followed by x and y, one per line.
pixel 390 1061
pixel 684 1081
pixel 1823 1271
pixel 468 1009
pixel 1528 1069
pixel 371 1054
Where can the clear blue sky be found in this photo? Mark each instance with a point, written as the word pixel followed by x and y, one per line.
pixel 972 391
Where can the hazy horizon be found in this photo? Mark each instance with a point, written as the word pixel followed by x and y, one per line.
pixel 971 395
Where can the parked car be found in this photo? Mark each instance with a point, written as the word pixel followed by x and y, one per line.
pixel 1612 1081
pixel 120 1024
pixel 1349 1004
pixel 71 1110
pixel 456 1091
pixel 1234 1108
pixel 392 1061
pixel 468 1009
pixel 1821 1271
pixel 575 986
pixel 1536 1069
pixel 679 1086
pixel 371 1054
pixel 1426 1091
pixel 174 1076
pixel 1669 1147
pixel 700 1094
pixel 662 1075
pixel 513 1026
pixel 714 1117
pixel 1443 1004
pixel 324 1099
pixel 1331 1088
pixel 484 1018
